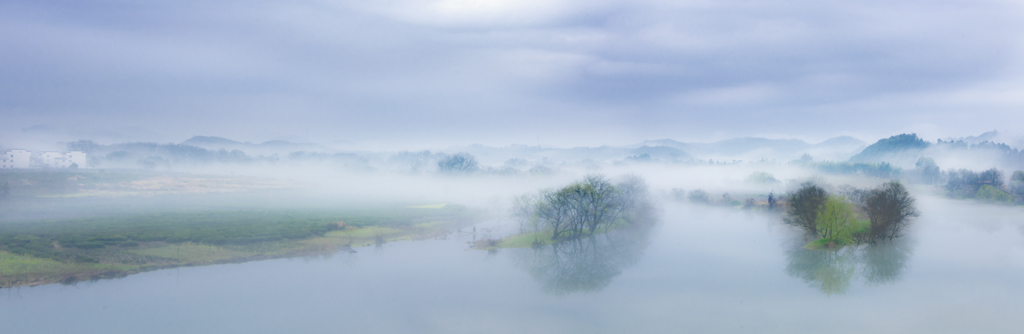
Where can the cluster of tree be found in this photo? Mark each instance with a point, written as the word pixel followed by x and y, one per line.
pixel 832 217
pixel 584 207
pixel 1005 154
pixel 926 171
pixel 889 207
pixel 150 155
pixel 1017 185
pixel 461 163
pixel 458 163
pixel 987 185
pixel 699 196
pixel 762 178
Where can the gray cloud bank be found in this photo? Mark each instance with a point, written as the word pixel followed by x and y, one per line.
pixel 410 73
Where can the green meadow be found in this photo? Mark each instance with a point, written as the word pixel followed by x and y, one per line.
pixel 42 252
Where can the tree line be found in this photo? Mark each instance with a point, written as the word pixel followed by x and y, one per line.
pixel 988 185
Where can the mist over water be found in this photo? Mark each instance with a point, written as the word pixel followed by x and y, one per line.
pixel 558 166
pixel 699 269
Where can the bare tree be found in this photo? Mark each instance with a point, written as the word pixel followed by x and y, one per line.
pixel 553 209
pixel 631 192
pixel 602 205
pixel 458 163
pixel 890 208
pixel 583 207
pixel 524 210
pixel 803 207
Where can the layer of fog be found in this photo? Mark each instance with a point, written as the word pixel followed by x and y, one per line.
pixel 308 175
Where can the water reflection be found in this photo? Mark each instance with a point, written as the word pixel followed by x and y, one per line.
pixel 585 264
pixel 831 271
pixel 827 270
pixel 885 262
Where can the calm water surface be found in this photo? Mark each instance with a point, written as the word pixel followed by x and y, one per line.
pixel 701 270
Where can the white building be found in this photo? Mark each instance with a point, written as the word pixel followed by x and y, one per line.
pixel 52 160
pixel 15 159
pixel 62 159
pixel 75 158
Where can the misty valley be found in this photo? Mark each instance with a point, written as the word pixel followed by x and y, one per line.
pixel 747 234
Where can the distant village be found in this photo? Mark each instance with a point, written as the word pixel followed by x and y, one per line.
pixel 27 159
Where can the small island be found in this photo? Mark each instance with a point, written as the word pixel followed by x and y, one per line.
pixel 833 217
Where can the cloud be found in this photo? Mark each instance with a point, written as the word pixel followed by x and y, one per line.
pixel 457 71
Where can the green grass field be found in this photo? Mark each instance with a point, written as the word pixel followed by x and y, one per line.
pixel 43 252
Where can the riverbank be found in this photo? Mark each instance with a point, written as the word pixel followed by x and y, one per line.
pixel 67 251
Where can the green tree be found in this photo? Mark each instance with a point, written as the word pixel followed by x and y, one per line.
pixel 835 220
pixel 1017 185
pixel 927 170
pixel 993 194
pixel 762 178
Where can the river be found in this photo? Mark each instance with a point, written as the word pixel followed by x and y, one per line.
pixel 699 269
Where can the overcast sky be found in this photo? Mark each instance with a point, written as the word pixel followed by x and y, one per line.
pixel 420 73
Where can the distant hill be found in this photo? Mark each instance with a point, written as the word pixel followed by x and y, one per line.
pixel 899 147
pixel 497 155
pixel 202 141
pixel 990 136
pixel 842 141
pixel 269 147
pixel 753 148
pixel 970 152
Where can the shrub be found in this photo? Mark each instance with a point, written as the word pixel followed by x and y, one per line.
pixel 699 196
pixel 762 178
pixel 993 194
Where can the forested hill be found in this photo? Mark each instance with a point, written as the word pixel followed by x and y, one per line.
pixel 902 144
pixel 904 150
pixel 751 148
